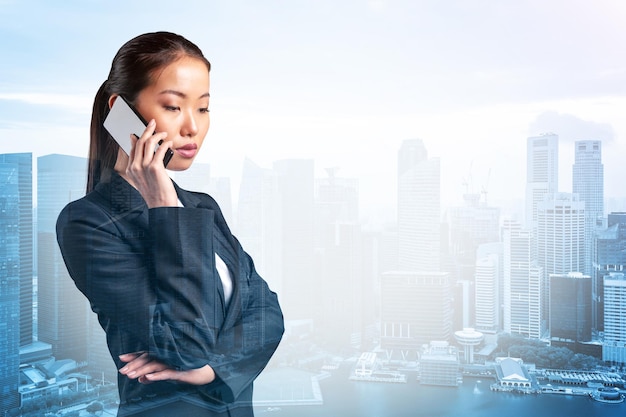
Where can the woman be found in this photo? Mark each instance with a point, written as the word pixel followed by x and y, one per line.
pixel 186 316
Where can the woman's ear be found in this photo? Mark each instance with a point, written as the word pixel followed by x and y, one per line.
pixel 112 100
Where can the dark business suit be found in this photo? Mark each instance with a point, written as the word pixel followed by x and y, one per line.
pixel 150 276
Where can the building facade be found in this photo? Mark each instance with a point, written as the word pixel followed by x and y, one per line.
pixel 542 170
pixel 523 278
pixel 614 345
pixel 570 307
pixel 419 208
pixel 416 308
pixel 560 239
pixel 588 183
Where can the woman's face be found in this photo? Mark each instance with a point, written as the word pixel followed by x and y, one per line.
pixel 178 100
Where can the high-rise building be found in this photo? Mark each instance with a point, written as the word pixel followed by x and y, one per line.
pixel 560 238
pixel 416 308
pixel 419 208
pixel 471 225
pixel 338 241
pixel 300 290
pixel 610 257
pixel 63 312
pixel 542 170
pixel 570 307
pixel 614 346
pixel 487 288
pixel 258 225
pixel 523 277
pixel 24 164
pixel 588 183
pixel 9 285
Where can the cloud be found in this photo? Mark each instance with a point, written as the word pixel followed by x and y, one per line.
pixel 34 110
pixel 571 128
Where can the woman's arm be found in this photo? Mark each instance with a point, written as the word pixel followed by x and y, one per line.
pixel 165 301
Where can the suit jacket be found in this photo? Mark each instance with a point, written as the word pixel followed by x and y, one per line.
pixel 149 275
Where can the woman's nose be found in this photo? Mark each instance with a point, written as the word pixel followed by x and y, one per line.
pixel 189 127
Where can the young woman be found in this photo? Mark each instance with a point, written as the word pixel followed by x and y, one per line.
pixel 186 316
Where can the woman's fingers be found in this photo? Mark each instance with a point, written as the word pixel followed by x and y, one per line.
pixel 147 370
pixel 142 366
pixel 127 357
pixel 199 376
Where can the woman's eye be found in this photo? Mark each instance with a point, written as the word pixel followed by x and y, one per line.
pixel 204 110
pixel 171 108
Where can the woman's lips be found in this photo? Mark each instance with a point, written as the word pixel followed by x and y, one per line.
pixel 188 151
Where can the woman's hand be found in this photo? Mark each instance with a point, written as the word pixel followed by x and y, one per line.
pixel 145 170
pixel 141 366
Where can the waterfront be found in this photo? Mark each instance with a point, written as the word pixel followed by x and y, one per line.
pixel 345 398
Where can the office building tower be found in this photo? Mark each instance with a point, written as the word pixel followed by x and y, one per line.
pixel 419 211
pixel 610 257
pixel 416 308
pixel 24 166
pixel 570 308
pixel 258 225
pixel 614 346
pixel 63 312
pixel 486 285
pixel 300 290
pixel 560 238
pixel 471 225
pixel 588 183
pixel 542 168
pixel 338 241
pixel 523 277
pixel 9 285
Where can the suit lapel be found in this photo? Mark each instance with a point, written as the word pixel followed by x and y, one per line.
pixel 224 245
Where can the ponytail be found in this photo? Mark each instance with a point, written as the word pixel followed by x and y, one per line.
pixel 102 148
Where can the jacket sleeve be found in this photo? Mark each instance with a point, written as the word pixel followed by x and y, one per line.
pixel 107 264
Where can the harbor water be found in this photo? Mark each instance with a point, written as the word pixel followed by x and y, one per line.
pixel 345 398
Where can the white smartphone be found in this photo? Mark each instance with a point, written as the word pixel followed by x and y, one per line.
pixel 122 121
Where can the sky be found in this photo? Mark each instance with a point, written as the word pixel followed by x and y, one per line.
pixel 344 82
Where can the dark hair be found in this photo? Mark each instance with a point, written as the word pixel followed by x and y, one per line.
pixel 132 70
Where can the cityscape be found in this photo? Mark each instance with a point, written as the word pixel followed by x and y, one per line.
pixel 459 301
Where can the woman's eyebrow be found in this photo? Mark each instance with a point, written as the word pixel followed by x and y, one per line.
pixel 181 94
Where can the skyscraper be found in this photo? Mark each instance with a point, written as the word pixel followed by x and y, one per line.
pixel 9 285
pixel 487 279
pixel 63 312
pixel 258 224
pixel 300 289
pixel 419 208
pixel 24 166
pixel 570 308
pixel 338 264
pixel 614 346
pixel 560 238
pixel 523 313
pixel 588 183
pixel 610 257
pixel 542 169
